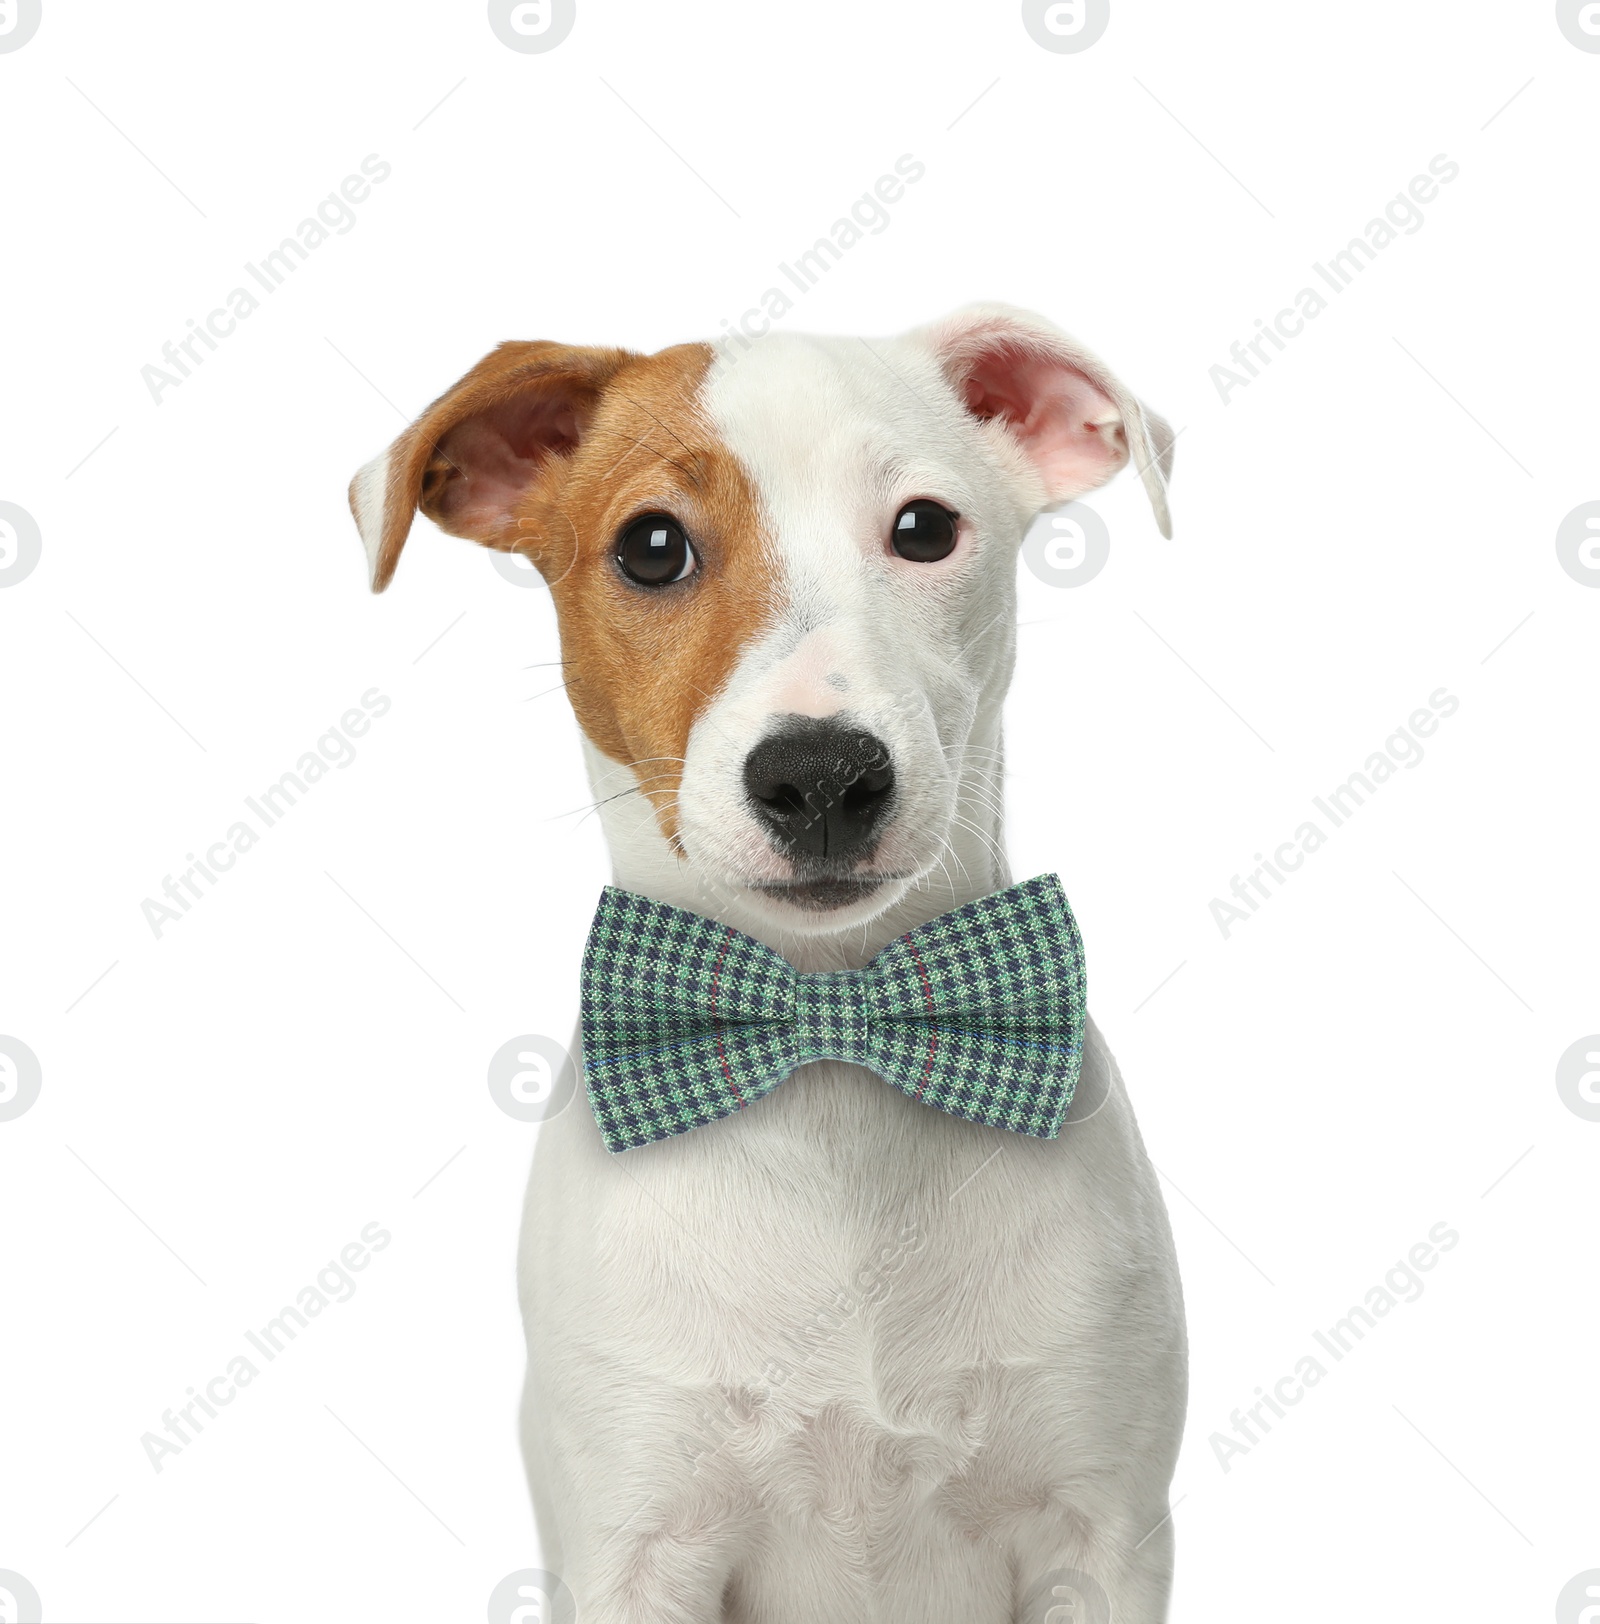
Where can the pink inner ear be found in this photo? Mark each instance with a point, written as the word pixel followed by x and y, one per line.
pixel 1070 429
pixel 496 456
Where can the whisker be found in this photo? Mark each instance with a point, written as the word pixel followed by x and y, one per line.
pixel 637 789
pixel 588 807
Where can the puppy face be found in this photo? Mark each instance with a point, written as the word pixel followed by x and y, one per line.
pixel 784 577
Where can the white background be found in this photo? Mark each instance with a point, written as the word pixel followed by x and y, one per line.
pixel 1373 519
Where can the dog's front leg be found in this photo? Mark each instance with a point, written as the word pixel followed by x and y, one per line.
pixel 1102 1568
pixel 644 1508
pixel 652 1570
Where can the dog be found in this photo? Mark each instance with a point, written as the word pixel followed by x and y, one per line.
pixel 839 1357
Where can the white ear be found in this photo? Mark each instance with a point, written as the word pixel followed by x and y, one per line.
pixel 1061 406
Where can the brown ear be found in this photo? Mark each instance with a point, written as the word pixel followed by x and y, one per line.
pixel 468 460
pixel 1062 407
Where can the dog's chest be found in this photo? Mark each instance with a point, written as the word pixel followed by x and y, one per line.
pixel 886 1362
pixel 858 1306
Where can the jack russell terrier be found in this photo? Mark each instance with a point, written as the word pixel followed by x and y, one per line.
pixel 840 1357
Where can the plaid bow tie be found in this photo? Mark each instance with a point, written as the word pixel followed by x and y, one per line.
pixel 980 1013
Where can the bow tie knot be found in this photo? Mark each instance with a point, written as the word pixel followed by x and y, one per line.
pixel 831 1014
pixel 980 1012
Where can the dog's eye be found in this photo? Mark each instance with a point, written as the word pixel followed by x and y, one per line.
pixel 654 551
pixel 924 532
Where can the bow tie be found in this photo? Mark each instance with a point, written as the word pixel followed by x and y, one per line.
pixel 979 1013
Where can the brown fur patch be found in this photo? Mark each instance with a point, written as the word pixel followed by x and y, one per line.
pixel 641 664
pixel 593 439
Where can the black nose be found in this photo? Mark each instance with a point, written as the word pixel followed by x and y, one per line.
pixel 821 788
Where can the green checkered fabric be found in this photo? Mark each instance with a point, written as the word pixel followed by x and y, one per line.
pixel 979 1013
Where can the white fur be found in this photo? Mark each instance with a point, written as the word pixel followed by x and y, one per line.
pixel 992 1383
pixel 369 492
